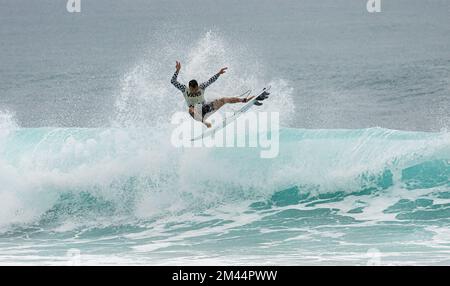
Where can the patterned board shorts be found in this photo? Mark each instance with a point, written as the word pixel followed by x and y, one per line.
pixel 206 109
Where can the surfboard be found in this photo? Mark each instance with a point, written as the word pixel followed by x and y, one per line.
pixel 262 95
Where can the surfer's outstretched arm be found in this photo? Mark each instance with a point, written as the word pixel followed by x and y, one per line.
pixel 174 80
pixel 212 79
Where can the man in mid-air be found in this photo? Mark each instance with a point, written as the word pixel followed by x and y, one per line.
pixel 199 109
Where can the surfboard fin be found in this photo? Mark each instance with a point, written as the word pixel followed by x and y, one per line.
pixel 257 103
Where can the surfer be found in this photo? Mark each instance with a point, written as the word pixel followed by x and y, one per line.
pixel 194 95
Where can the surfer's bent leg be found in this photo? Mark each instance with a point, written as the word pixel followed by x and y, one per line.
pixel 218 103
pixel 198 114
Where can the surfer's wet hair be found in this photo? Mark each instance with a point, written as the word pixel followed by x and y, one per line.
pixel 193 83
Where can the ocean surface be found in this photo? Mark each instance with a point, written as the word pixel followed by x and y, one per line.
pixel 88 174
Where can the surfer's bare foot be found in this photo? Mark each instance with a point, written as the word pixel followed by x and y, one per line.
pixel 207 124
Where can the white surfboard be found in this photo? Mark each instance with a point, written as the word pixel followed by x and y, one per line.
pixel 232 118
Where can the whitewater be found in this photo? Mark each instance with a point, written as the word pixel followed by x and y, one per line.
pixel 88 174
pixel 121 192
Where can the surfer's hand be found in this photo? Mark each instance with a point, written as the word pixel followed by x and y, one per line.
pixel 222 70
pixel 178 66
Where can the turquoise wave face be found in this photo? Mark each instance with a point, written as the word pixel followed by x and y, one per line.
pixel 58 171
pixel 338 189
